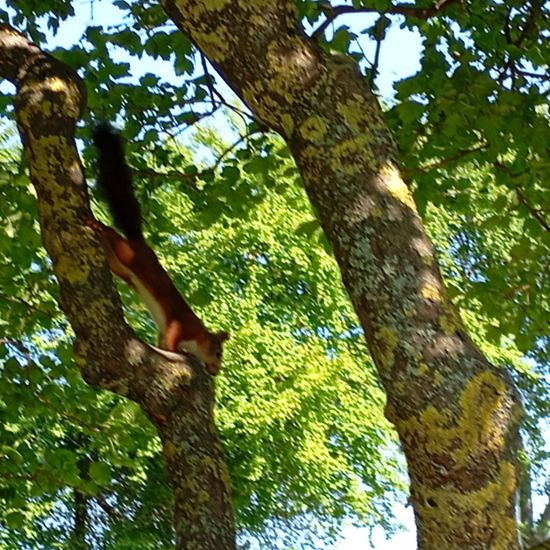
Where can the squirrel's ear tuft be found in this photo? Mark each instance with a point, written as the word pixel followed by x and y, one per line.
pixel 222 336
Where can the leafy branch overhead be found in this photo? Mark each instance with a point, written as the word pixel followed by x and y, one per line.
pixel 49 102
pixel 50 96
pixel 382 8
pixel 199 91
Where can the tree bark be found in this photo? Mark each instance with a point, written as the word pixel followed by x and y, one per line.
pixel 456 414
pixel 176 395
pixel 80 499
pixel 80 520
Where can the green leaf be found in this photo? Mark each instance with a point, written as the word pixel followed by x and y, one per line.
pixel 231 174
pixel 100 473
pixel 258 165
pixel 342 39
pixel 149 79
pixel 308 228
pixel 183 64
pixel 201 297
pixel 15 520
pixel 122 5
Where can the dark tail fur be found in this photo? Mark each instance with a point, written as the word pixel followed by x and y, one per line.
pixel 115 181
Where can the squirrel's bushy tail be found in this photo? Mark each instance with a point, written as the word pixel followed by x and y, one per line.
pixel 115 181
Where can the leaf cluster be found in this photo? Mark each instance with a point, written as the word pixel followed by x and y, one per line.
pixel 299 409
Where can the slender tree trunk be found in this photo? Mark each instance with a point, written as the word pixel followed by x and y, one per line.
pixel 80 520
pixel 177 396
pixel 456 414
pixel 78 442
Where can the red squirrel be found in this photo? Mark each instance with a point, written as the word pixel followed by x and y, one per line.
pixel 134 261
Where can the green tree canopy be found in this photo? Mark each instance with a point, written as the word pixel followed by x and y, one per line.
pixel 299 407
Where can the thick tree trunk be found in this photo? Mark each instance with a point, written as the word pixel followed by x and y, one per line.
pixel 177 396
pixel 456 414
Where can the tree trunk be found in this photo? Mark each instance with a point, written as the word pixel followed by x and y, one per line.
pixel 80 520
pixel 78 442
pixel 456 414
pixel 176 395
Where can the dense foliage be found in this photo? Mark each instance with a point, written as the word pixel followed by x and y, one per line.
pixel 299 409
pixel 296 389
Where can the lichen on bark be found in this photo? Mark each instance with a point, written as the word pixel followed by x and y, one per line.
pixel 433 374
pixel 177 395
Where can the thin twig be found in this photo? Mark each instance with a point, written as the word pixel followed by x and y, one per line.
pixel 17 344
pixel 29 306
pixel 507 21
pixel 375 63
pixel 170 174
pixel 543 545
pixel 30 364
pixel 192 178
pixel 529 74
pixel 228 150
pixel 209 79
pixel 447 160
pixel 530 23
pixel 537 214
pixel 111 511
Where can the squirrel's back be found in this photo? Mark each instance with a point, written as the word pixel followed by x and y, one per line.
pixel 115 181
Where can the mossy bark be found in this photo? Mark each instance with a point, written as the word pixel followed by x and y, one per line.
pixel 177 396
pixel 456 414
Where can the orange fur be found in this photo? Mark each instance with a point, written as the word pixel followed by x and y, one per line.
pixel 180 328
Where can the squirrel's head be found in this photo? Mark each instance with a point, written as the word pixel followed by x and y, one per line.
pixel 208 348
pixel 211 352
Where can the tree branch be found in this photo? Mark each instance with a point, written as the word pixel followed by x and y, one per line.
pixel 376 62
pixel 192 178
pixel 333 12
pixel 209 79
pixel 175 392
pixel 111 511
pixel 530 22
pixel 544 545
pixel 174 175
pixel 335 130
pixel 545 516
pixel 447 160
pixel 537 214
pixel 50 98
pixel 531 74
